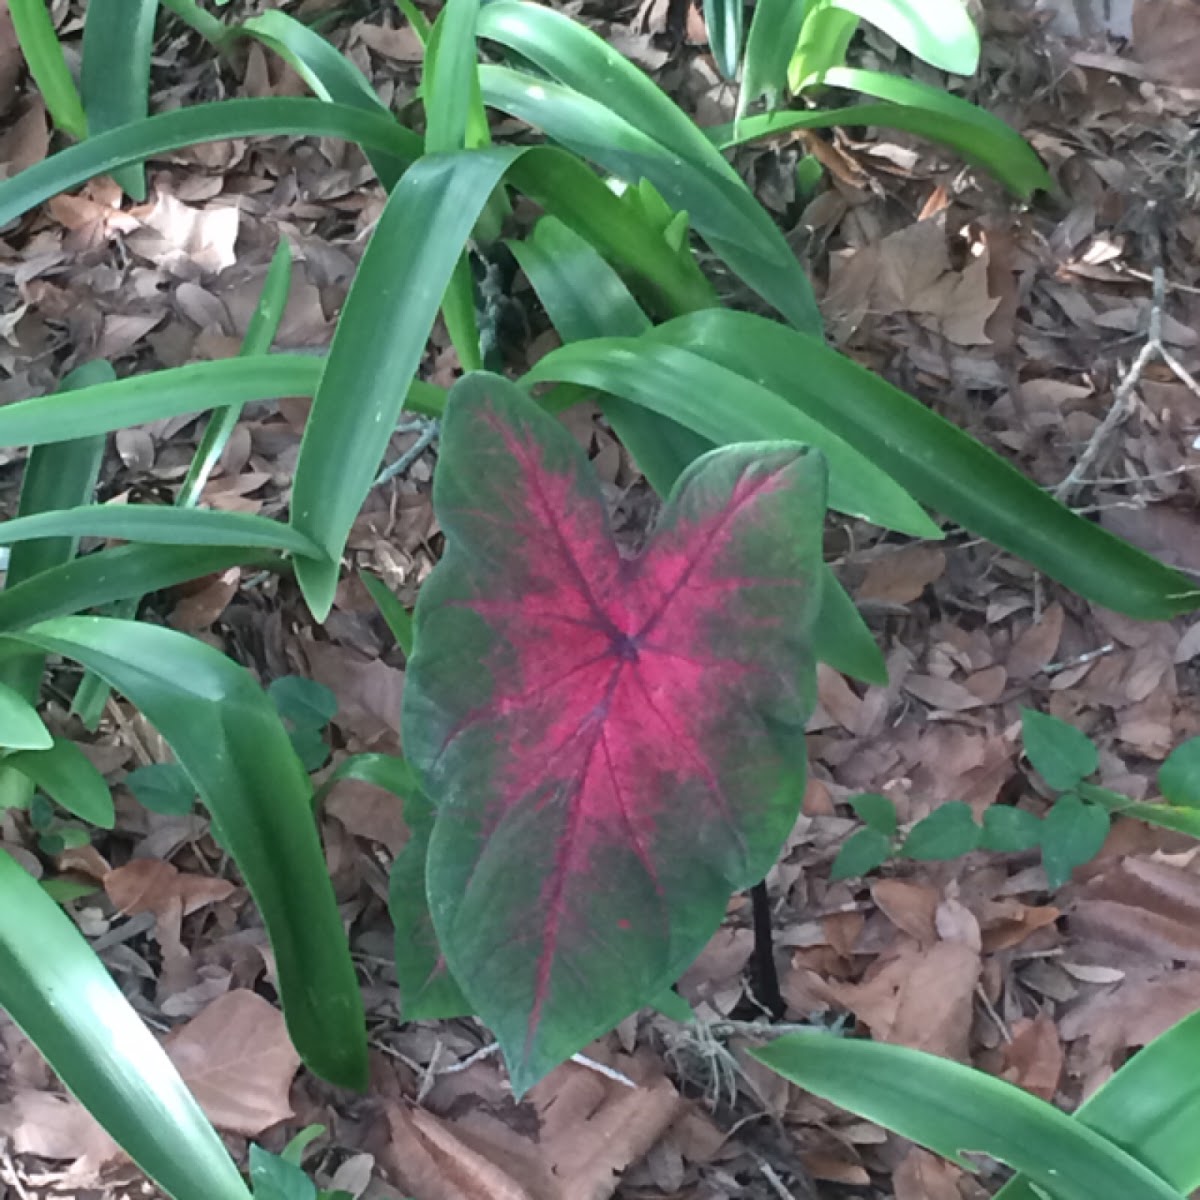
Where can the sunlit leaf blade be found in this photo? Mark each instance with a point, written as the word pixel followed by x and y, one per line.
pixel 941 33
pixel 380 338
pixel 67 776
pixel 725 406
pixel 20 726
pixel 161 523
pixel 44 57
pixel 825 38
pixel 1148 1108
pixel 723 18
pixel 227 736
pixel 118 573
pixel 57 990
pixel 721 209
pixel 215 122
pixel 936 462
pixel 952 1109
pixel 118 38
pixel 613 746
pixel 331 75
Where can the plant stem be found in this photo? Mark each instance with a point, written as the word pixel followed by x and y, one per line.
pixel 204 23
pixel 766 978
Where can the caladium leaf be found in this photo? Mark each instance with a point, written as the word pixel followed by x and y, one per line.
pixel 613 745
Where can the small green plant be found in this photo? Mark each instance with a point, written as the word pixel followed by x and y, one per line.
pixel 1069 835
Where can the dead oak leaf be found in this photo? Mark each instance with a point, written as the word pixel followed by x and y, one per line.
pixel 238 1061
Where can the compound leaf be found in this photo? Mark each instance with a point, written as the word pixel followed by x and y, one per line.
pixel 612 745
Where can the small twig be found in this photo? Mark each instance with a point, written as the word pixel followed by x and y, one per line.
pixel 1172 285
pixel 777 1185
pixel 10 1175
pixel 600 1069
pixel 1122 402
pixel 430 1074
pixel 471 1059
pixel 990 1009
pixel 1079 659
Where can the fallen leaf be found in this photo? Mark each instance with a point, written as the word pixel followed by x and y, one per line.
pixel 1166 38
pixel 901 576
pixel 238 1061
pixel 924 1176
pixel 1033 1059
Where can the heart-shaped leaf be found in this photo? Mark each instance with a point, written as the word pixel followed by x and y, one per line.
pixel 613 745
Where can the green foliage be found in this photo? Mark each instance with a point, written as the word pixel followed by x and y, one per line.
pixel 162 788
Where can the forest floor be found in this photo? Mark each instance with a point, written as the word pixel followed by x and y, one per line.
pixel 1020 324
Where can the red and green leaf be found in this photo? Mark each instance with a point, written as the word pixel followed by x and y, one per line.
pixel 613 744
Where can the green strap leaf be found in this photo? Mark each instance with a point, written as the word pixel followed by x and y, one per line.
pixel 20 726
pixel 226 734
pixel 44 57
pixel 723 19
pixel 937 463
pixel 165 523
pixel 118 39
pixel 214 122
pixel 57 990
pixel 774 34
pixel 951 1110
pixel 451 78
pixel 942 34
pixel 67 776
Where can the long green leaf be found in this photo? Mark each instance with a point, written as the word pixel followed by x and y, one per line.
pixel 450 77
pixel 952 1110
pixel 20 726
pixel 55 477
pixel 44 57
pixel 722 210
pixel 405 270
pixel 57 990
pixel 161 523
pixel 226 734
pixel 935 462
pixel 67 776
pixel 397 618
pixel 331 75
pixel 1018 169
pixel 725 407
pixel 941 32
pixel 119 573
pixel 825 38
pixel 774 32
pixel 118 39
pixel 723 19
pixel 1149 1108
pixel 215 122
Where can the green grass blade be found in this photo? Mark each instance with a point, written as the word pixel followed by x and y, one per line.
pixel 825 37
pixel 44 57
pixel 1149 1108
pixel 57 990
pixel 163 524
pixel 451 80
pixel 20 726
pixel 668 282
pixel 417 19
pixel 951 1109
pixel 725 406
pixel 942 32
pixel 843 639
pixel 723 18
pixel 378 346
pixel 67 776
pixel 119 573
pixel 55 477
pixel 260 333
pixel 226 734
pixel 720 207
pixel 774 34
pixel 971 131
pixel 937 463
pixel 215 122
pixel 397 618
pixel 331 76
pixel 118 39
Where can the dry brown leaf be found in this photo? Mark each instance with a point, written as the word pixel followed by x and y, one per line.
pixel 1166 37
pixel 369 812
pixel 924 1176
pixel 902 575
pixel 829 1167
pixel 1033 1059
pixel 943 694
pixel 51 1126
pixel 151 885
pixel 238 1061
pixel 1037 645
pixel 909 906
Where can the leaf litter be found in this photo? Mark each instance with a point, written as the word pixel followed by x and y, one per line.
pixel 1020 325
